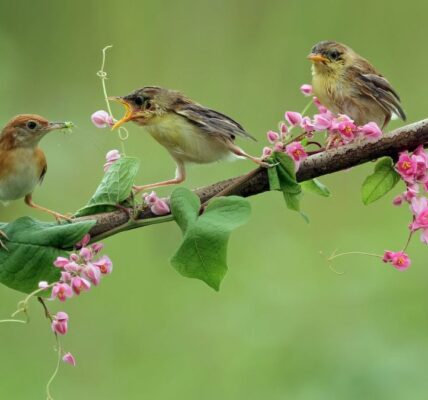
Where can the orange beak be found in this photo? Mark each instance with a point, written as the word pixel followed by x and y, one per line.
pixel 317 58
pixel 128 115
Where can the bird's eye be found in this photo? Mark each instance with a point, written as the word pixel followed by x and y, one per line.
pixel 334 54
pixel 31 125
pixel 139 101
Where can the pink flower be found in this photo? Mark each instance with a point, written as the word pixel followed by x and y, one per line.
pixel 306 89
pixel 102 119
pixel 60 323
pixel 150 198
pixel 85 253
pixel 61 262
pixel 160 207
pixel 62 291
pixel 399 259
pixel 284 130
pixel 406 167
pixel 398 200
pixel 267 152
pixel 278 147
pixel 104 264
pixel 322 122
pixel 93 274
pixel 69 359
pixel 371 130
pixel 346 128
pixel 72 267
pixel 97 247
pixel 78 284
pixel 84 242
pixel 421 159
pixel 111 157
pixel 65 276
pixel 420 210
pixel 307 124
pixel 320 107
pixel 411 192
pixel 157 205
pixel 297 152
pixel 272 136
pixel 293 118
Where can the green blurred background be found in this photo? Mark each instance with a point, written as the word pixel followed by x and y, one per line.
pixel 284 325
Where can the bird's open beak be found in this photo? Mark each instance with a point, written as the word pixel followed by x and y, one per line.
pixel 129 115
pixel 317 58
pixel 60 125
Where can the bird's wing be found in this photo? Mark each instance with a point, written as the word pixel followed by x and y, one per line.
pixel 380 90
pixel 42 164
pixel 212 122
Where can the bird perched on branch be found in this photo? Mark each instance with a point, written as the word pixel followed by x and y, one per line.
pixel 346 83
pixel 22 163
pixel 190 132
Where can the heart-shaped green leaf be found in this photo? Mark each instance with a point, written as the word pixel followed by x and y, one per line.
pixel 114 188
pixel 383 179
pixel 203 252
pixel 32 248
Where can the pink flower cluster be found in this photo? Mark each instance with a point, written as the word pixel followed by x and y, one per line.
pixel 111 157
pixel 399 259
pixel 340 129
pixel 156 204
pixel 80 270
pixel 413 169
pixel 102 119
pixel 294 149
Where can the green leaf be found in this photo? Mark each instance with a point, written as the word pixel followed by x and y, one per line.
pixel 383 179
pixel 314 186
pixel 32 248
pixel 291 190
pixel 203 252
pixel 114 188
pixel 273 179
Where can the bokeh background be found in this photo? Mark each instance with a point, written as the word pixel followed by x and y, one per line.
pixel 284 325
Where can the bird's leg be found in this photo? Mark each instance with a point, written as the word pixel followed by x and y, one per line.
pixel 241 153
pixel 56 215
pixel 3 235
pixel 180 176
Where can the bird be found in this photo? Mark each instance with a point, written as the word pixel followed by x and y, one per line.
pixel 346 83
pixel 22 162
pixel 190 132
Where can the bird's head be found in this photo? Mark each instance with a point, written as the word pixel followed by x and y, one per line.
pixel 26 130
pixel 143 105
pixel 330 57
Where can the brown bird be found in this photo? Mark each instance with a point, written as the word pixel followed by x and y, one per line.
pixel 22 162
pixel 189 131
pixel 346 83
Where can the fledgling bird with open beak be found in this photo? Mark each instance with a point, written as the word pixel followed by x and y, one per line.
pixel 22 162
pixel 189 131
pixel 346 83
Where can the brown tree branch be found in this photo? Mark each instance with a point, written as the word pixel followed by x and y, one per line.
pixel 334 160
